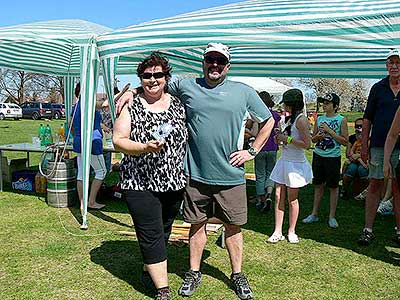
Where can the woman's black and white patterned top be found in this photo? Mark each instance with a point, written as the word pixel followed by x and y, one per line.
pixel 162 171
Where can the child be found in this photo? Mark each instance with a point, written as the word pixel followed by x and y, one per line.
pixel 292 171
pixel 330 132
pixel 354 165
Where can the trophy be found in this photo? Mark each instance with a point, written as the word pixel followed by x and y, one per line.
pixel 162 131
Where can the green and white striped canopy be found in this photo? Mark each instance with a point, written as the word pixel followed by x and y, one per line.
pixel 63 48
pixel 313 38
pixel 51 47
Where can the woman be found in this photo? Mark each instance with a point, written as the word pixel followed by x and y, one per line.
pixel 389 169
pixel 96 158
pixel 265 160
pixel 292 171
pixel 151 132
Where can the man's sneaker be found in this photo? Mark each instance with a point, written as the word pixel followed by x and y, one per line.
pixel 365 237
pixel 147 281
pixel 333 223
pixel 310 219
pixel 241 286
pixel 260 205
pixel 385 208
pixel 163 294
pixel 191 281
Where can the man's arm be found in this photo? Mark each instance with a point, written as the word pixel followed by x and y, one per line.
pixel 364 139
pixel 240 157
pixel 391 140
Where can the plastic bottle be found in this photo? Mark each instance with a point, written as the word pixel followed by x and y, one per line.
pixel 61 133
pixel 41 132
pixel 48 137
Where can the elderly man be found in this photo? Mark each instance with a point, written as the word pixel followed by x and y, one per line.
pixel 383 102
pixel 216 113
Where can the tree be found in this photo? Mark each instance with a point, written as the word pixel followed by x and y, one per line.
pixel 17 86
pixel 14 85
pixel 350 91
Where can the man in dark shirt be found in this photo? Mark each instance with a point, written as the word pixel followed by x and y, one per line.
pixel 383 102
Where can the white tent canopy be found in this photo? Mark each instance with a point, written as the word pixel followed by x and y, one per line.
pixel 263 84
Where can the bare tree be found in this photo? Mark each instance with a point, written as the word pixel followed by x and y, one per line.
pixel 17 86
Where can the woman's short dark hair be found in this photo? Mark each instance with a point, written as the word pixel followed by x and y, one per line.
pixel 267 99
pixel 155 59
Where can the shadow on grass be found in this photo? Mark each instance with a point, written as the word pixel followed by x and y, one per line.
pixel 350 216
pixel 124 260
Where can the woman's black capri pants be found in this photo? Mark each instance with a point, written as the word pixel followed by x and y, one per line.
pixel 153 214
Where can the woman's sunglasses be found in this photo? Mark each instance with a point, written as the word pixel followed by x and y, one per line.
pixel 156 75
pixel 220 60
pixel 358 126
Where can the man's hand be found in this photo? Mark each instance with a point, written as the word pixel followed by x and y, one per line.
pixel 364 155
pixel 238 158
pixel 387 169
pixel 126 98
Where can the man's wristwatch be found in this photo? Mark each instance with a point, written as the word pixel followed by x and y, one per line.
pixel 252 151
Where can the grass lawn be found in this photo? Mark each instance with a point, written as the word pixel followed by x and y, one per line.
pixel 44 255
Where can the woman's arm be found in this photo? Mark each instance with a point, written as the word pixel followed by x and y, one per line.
pixel 303 127
pixel 122 141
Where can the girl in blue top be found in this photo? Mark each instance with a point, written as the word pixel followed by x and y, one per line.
pixel 330 132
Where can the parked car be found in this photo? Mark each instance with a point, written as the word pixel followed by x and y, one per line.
pixel 10 110
pixel 36 110
pixel 58 110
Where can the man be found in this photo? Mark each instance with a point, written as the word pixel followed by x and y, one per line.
pixel 216 113
pixel 383 102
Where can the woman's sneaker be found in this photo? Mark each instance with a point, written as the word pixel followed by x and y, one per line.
pixel 385 208
pixel 191 281
pixel 240 285
pixel 163 294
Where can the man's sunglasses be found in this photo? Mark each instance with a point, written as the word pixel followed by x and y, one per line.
pixel 358 126
pixel 156 75
pixel 220 60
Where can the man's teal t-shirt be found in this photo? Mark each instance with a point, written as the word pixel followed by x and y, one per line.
pixel 215 119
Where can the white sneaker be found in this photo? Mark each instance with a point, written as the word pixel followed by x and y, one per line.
pixel 385 208
pixel 361 196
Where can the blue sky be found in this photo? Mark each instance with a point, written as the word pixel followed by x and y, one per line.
pixel 115 14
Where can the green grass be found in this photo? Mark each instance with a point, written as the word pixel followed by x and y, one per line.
pixel 44 255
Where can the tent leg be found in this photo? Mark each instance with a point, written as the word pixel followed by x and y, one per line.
pixel 84 225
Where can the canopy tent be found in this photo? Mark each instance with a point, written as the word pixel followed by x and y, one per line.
pixel 263 84
pixel 63 48
pixel 314 38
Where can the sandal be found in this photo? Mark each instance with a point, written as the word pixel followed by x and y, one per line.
pixel 293 238
pixel 275 238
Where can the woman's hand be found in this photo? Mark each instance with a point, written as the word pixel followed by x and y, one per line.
pixel 153 146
